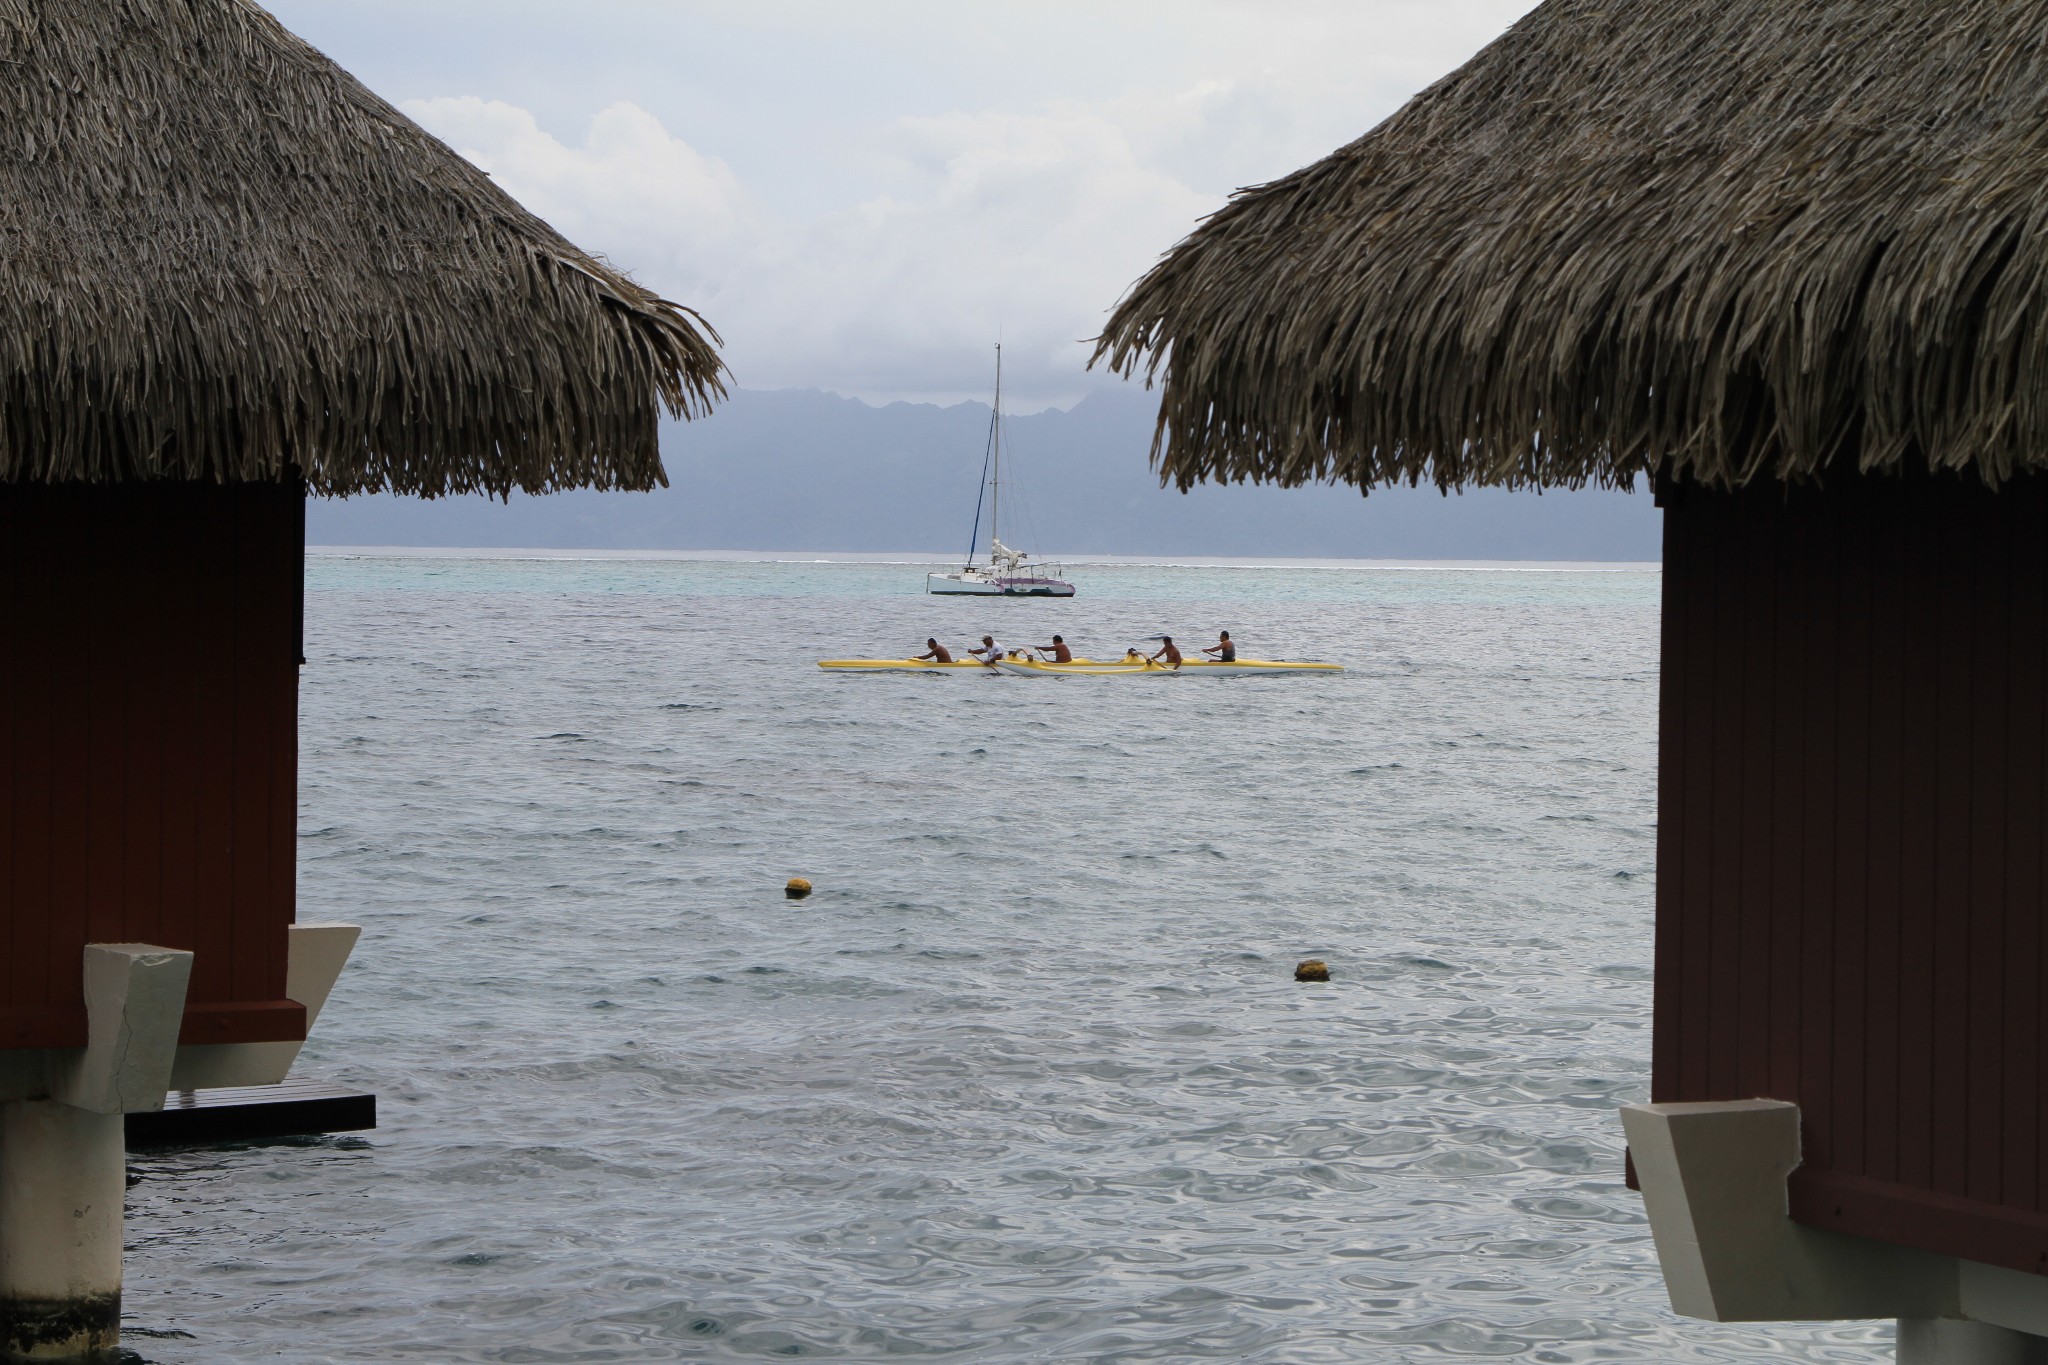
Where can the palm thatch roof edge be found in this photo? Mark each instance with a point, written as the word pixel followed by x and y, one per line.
pixel 228 260
pixel 1713 240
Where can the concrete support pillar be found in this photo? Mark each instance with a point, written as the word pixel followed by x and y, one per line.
pixel 64 1160
pixel 63 1177
pixel 1958 1341
pixel 317 954
pixel 134 1006
pixel 63 1173
pixel 1713 1177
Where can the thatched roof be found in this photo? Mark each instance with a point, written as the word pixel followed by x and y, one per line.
pixel 221 257
pixel 1721 239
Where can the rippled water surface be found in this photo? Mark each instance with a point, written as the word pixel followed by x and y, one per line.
pixel 1028 1079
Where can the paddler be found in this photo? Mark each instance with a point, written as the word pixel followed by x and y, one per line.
pixel 936 652
pixel 1058 649
pixel 1168 651
pixel 1224 650
pixel 989 653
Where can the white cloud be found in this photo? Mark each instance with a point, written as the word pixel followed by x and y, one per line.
pixel 631 191
pixel 1023 226
pixel 856 209
pixel 1027 226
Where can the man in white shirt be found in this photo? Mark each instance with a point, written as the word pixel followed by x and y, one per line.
pixel 989 652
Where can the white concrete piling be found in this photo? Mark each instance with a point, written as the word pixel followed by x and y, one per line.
pixel 63 1157
pixel 63 1177
pixel 1956 1341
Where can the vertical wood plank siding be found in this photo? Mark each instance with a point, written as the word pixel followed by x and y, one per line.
pixel 1850 842
pixel 149 747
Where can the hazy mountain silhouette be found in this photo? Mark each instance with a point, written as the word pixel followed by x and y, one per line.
pixel 802 470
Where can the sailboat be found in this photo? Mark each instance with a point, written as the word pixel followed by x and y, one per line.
pixel 1005 574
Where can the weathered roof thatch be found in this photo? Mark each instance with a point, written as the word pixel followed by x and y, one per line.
pixel 221 256
pixel 1722 239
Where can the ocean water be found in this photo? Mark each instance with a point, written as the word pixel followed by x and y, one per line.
pixel 1028 1078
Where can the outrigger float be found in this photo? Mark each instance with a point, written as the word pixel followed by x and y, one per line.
pixel 1131 665
pixel 898 665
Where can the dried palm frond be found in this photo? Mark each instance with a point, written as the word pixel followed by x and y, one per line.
pixel 222 258
pixel 1717 240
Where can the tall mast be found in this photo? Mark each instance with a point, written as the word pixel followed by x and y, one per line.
pixel 995 483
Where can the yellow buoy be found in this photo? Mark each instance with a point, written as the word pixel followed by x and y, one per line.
pixel 1314 969
pixel 797 888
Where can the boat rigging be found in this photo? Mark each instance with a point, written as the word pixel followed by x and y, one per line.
pixel 1005 574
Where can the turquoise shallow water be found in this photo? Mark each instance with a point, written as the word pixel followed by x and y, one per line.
pixel 555 573
pixel 1028 1078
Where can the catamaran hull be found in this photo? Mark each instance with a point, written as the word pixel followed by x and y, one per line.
pixel 954 585
pixel 947 585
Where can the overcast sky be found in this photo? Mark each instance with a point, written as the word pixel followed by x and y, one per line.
pixel 860 194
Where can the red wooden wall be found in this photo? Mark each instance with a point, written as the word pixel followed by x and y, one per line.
pixel 149 746
pixel 1850 843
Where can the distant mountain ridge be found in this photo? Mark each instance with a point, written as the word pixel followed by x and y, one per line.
pixel 801 470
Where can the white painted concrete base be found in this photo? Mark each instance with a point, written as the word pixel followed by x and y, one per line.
pixel 1957 1341
pixel 63 1160
pixel 316 953
pixel 63 1177
pixel 2010 1298
pixel 135 981
pixel 1713 1178
pixel 134 1007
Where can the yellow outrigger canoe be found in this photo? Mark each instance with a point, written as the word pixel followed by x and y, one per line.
pixel 1132 667
pixel 1025 666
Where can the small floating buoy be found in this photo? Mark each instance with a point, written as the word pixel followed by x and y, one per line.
pixel 797 888
pixel 1314 969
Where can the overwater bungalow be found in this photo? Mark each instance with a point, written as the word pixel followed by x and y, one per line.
pixel 1785 268
pixel 233 278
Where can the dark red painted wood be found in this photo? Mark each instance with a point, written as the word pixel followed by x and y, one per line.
pixel 1848 609
pixel 1884 571
pixel 1749 787
pixel 1890 1212
pixel 2026 770
pixel 1854 806
pixel 148 740
pixel 1989 739
pixel 218 723
pixel 101 788
pixel 1918 728
pixel 1729 653
pixel 1809 759
pixel 139 746
pixel 1672 1001
pixel 186 748
pixel 68 728
pixel 1797 615
pixel 1955 647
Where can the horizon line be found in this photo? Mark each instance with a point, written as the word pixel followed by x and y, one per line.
pixel 920 558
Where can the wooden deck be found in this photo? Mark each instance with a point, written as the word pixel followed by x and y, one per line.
pixel 292 1108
